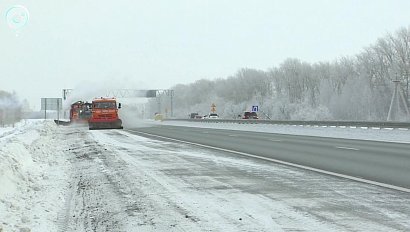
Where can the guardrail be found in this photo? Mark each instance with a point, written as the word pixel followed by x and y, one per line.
pixel 304 123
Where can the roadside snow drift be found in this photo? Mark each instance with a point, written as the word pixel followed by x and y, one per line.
pixel 31 188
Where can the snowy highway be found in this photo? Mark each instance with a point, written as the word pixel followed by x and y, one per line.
pixel 383 162
pixel 72 179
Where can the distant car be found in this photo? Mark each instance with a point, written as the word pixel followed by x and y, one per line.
pixel 193 115
pixel 198 117
pixel 249 115
pixel 213 116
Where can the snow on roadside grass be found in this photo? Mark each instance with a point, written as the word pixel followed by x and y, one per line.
pixel 29 159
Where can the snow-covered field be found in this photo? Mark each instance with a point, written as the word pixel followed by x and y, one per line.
pixel 72 179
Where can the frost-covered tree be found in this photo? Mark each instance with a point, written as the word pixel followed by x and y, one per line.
pixel 348 88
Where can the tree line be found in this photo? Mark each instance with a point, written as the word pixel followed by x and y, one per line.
pixel 349 88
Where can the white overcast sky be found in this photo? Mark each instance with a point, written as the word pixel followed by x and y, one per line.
pixel 155 44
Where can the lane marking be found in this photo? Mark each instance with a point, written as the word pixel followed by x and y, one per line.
pixel 349 148
pixel 275 140
pixel 205 132
pixel 233 135
pixel 358 179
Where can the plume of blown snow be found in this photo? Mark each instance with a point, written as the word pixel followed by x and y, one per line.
pixel 133 108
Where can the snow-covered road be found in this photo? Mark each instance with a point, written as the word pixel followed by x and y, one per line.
pixel 71 179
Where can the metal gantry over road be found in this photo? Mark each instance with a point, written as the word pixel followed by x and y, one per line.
pixel 135 93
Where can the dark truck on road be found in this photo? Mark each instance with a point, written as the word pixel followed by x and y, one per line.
pixel 249 115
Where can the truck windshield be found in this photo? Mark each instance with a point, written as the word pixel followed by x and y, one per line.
pixel 104 105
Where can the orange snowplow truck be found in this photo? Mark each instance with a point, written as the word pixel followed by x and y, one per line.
pixel 105 114
pixel 80 112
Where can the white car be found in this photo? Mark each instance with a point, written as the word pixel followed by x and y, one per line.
pixel 213 116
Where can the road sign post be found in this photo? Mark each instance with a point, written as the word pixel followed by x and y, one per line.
pixel 51 104
pixel 213 108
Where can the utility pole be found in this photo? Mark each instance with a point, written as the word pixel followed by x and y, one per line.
pixel 172 103
pixel 407 90
pixel 159 104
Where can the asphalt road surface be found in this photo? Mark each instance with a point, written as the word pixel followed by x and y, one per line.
pixel 383 162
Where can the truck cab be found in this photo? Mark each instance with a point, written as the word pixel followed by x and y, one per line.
pixel 104 114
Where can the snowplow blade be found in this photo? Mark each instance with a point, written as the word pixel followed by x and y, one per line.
pixel 63 123
pixel 105 125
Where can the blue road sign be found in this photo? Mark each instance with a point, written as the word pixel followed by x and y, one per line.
pixel 255 108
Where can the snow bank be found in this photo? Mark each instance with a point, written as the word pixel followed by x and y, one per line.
pixel 18 128
pixel 28 156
